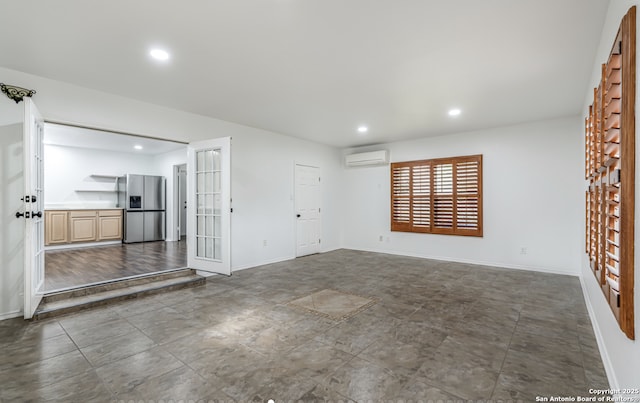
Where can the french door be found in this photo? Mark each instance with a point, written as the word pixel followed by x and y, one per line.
pixel 208 212
pixel 33 208
pixel 307 205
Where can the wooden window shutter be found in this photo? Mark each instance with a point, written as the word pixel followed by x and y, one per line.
pixel 468 200
pixel 400 198
pixel 421 197
pixel 443 197
pixel 440 196
pixel 610 168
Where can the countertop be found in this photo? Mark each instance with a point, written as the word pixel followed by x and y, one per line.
pixel 70 208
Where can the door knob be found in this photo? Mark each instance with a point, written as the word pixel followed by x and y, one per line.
pixel 298 215
pixel 19 214
pixel 36 214
pixel 26 214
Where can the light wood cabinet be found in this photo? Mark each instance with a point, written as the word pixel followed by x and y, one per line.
pixel 76 226
pixel 83 226
pixel 56 224
pixel 109 225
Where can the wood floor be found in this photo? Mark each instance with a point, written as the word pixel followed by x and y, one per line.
pixel 75 267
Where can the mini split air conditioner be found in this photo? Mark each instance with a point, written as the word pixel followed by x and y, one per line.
pixel 371 158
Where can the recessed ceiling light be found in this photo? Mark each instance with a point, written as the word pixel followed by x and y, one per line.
pixel 159 54
pixel 363 129
pixel 454 112
pixel 138 147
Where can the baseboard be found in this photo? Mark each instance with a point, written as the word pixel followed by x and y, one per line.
pixel 604 355
pixel 81 245
pixel 256 264
pixel 331 249
pixel 276 260
pixel 468 261
pixel 11 315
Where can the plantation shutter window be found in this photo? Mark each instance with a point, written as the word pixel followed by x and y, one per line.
pixel 610 171
pixel 439 196
pixel 421 196
pixel 401 197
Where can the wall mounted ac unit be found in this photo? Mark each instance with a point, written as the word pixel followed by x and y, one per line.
pixel 371 158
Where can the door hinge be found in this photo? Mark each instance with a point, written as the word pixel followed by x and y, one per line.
pixel 318 209
pixel 318 179
pixel 319 240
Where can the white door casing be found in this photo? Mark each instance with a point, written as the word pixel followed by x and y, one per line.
pixel 182 200
pixel 307 209
pixel 33 209
pixel 208 210
pixel 179 201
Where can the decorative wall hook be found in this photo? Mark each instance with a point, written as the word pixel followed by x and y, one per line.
pixel 16 93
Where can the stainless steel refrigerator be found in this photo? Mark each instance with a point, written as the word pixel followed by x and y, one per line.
pixel 143 199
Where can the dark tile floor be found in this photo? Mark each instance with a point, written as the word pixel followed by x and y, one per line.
pixel 438 331
pixel 80 266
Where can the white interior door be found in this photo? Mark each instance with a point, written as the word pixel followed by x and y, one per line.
pixel 33 208
pixel 307 205
pixel 209 206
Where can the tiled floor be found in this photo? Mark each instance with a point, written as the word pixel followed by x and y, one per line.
pixel 80 266
pixel 333 304
pixel 437 330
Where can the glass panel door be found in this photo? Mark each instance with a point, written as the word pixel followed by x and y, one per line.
pixel 208 195
pixel 208 232
pixel 33 209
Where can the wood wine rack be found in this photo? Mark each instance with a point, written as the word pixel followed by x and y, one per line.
pixel 610 170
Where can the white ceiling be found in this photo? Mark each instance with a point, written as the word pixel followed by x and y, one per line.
pixel 68 136
pixel 317 69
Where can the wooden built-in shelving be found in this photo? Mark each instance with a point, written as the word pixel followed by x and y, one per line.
pixel 610 170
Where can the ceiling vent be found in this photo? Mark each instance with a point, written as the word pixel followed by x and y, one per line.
pixel 371 158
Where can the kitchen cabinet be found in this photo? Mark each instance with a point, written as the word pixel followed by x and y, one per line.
pixel 83 225
pixel 77 226
pixel 56 224
pixel 109 225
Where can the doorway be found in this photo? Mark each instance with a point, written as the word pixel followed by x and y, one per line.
pixel 84 219
pixel 307 210
pixel 180 197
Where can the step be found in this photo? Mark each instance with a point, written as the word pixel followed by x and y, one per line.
pixel 88 289
pixel 77 299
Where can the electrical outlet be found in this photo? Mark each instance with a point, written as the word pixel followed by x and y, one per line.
pixel 381 238
pixel 523 250
pixel 264 242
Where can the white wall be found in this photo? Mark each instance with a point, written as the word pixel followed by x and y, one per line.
pixel 68 169
pixel 11 228
pixel 532 196
pixel 262 164
pixel 263 204
pixel 621 356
